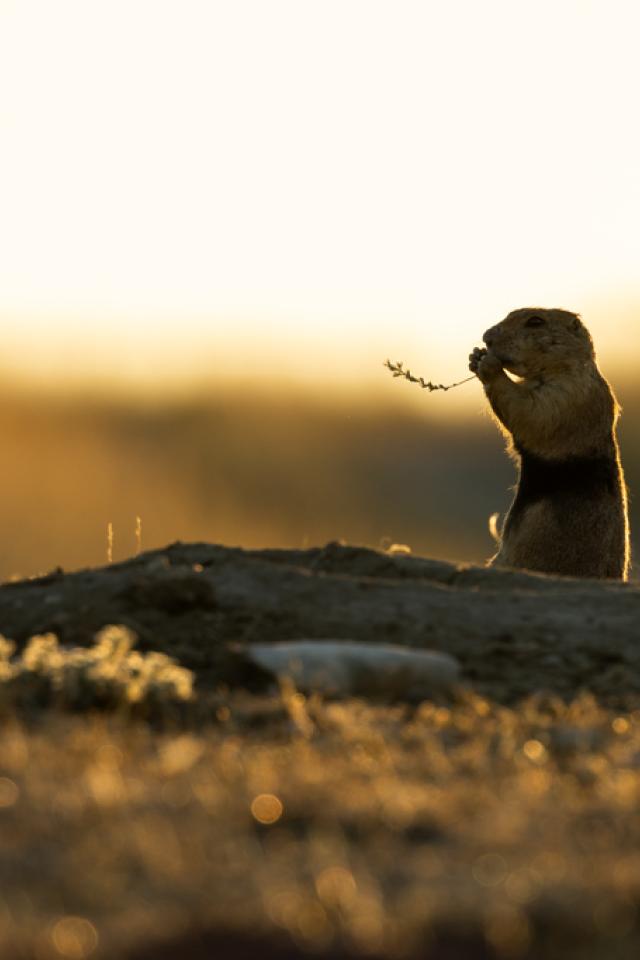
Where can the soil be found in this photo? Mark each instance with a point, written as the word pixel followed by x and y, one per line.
pixel 513 633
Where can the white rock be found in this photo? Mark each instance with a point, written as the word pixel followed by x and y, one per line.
pixel 340 668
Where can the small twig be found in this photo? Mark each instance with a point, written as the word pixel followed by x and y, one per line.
pixel 109 543
pixel 138 535
pixel 397 369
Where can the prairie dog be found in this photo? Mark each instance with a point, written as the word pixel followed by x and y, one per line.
pixel 569 515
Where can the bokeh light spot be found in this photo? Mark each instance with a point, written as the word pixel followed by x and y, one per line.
pixel 74 937
pixel 489 870
pixel 535 751
pixel 266 808
pixel 620 725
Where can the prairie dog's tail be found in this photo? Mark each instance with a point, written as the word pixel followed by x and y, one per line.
pixel 493 527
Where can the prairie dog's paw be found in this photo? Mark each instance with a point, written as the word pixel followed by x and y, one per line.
pixel 484 364
pixel 475 358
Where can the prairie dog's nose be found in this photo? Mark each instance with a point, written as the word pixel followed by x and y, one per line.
pixel 489 336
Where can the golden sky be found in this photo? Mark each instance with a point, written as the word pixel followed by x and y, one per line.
pixel 297 189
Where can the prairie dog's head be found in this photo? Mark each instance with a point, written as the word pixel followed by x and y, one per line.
pixel 534 341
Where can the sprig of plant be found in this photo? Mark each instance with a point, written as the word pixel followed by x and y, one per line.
pixel 397 369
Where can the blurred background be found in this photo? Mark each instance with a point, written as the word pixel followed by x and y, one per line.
pixel 219 218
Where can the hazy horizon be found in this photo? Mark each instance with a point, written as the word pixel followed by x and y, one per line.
pixel 255 470
pixel 359 378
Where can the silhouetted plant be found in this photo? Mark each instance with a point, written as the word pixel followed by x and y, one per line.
pixel 397 369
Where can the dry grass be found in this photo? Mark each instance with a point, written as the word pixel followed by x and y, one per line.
pixel 340 824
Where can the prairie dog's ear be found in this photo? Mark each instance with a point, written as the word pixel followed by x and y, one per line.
pixel 576 323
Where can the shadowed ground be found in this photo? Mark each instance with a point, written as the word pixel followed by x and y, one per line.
pixel 500 822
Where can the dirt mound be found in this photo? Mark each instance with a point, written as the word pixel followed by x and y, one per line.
pixel 513 633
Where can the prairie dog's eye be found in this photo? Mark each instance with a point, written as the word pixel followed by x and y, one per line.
pixel 534 322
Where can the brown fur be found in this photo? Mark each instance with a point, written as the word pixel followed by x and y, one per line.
pixel 569 515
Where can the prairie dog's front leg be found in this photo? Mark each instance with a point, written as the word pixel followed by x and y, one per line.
pixel 501 392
